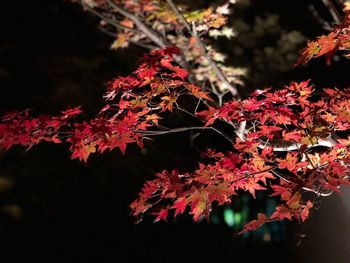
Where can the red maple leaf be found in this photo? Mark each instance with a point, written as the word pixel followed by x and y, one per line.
pixel 306 211
pixel 282 212
pixel 83 151
pixel 254 224
pixel 180 205
pixel 289 163
pixel 119 140
pixel 198 92
pixel 199 204
pixel 162 215
pixel 251 185
pixel 208 115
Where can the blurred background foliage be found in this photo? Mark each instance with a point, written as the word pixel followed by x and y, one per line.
pixel 53 56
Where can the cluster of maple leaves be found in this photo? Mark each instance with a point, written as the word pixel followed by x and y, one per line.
pixel 288 149
pixel 328 45
pixel 154 24
pixel 133 104
pixel 288 140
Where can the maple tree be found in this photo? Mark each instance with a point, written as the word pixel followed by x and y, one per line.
pixel 285 141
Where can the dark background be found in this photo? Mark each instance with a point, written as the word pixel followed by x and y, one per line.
pixel 53 209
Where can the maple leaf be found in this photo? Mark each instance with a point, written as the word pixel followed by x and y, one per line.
pixel 269 131
pixel 220 193
pixel 294 136
pixel 153 118
pixel 197 92
pixel 162 215
pixel 140 206
pixel 122 41
pixel 306 211
pixel 254 224
pixel 199 204
pixel 309 140
pixel 158 87
pixel 261 177
pixel 118 140
pixel 55 139
pixel 282 212
pixel 267 153
pixel 258 164
pixel 168 102
pixel 139 102
pixel 208 115
pixel 147 73
pixel 180 205
pixel 168 51
pixel 83 151
pixel 283 191
pixel 149 188
pixel 251 104
pixel 217 21
pixel 251 185
pixel 294 202
pixel 311 51
pixel 127 23
pixel 289 163
pixel 328 46
pixel 179 72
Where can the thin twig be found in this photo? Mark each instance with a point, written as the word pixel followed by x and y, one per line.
pixel 328 142
pixel 213 65
pixel 186 111
pixel 183 129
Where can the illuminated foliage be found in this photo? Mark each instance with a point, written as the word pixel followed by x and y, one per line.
pixel 286 141
pixel 159 24
pixel 328 45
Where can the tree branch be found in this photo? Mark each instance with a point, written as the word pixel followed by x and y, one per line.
pixel 200 44
pixel 328 142
pixel 333 11
pixel 108 20
pixel 319 19
pixel 149 32
pixel 179 15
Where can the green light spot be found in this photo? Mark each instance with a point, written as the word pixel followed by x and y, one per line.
pixel 238 218
pixel 229 217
